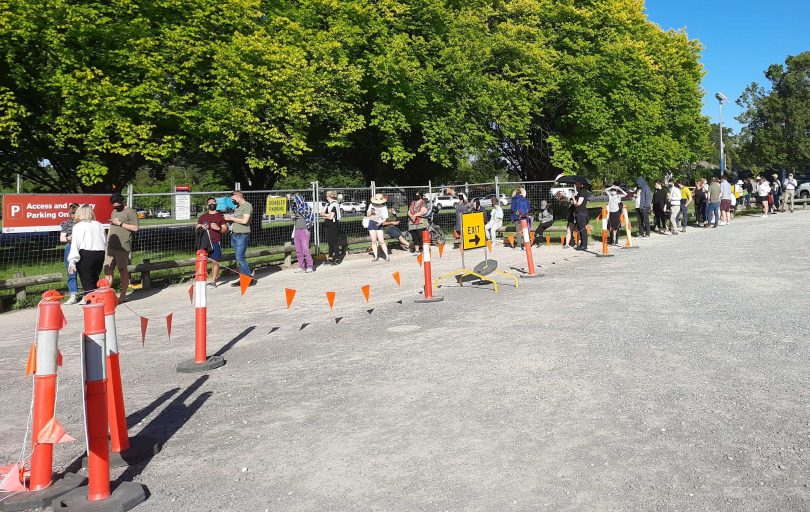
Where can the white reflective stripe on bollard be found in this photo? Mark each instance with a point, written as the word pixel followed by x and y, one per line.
pixel 426 253
pixel 525 235
pixel 112 334
pixel 199 294
pixel 47 351
pixel 95 357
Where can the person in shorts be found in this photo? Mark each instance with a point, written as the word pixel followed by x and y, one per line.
pixel 764 192
pixel 725 201
pixel 123 223
pixel 210 227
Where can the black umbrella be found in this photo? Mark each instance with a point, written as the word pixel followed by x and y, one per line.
pixel 573 179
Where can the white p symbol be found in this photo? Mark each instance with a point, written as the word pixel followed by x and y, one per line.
pixel 15 210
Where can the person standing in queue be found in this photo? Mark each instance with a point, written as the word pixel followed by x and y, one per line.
pixel 376 214
pixel 686 200
pixel 674 206
pixel 660 203
pixel 391 225
pixel 417 221
pixel 520 211
pixel 123 222
pixel 581 215
pixel 615 195
pixel 643 200
pixel 789 190
pixel 303 220
pixel 210 228
pixel 240 233
pixel 700 203
pixel 65 236
pixel 331 218
pixel 88 246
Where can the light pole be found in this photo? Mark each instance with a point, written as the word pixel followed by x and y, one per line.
pixel 721 98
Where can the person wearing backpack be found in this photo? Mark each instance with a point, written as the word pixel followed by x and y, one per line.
pixel 303 219
pixel 331 218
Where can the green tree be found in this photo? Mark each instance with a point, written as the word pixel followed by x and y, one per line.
pixel 777 120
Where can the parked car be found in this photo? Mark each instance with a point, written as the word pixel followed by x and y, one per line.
pixel 141 214
pixel 163 214
pixel 351 207
pixel 803 191
pixel 486 201
pixel 446 201
pixel 567 191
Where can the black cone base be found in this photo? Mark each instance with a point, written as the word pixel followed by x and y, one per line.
pixel 40 499
pixel 140 449
pixel 425 301
pixel 212 363
pixel 125 497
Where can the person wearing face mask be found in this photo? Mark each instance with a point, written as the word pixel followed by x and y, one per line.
pixel 210 228
pixel 545 219
pixel 123 222
pixel 240 233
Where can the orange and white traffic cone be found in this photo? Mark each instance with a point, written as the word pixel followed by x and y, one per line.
pixel 604 217
pixel 124 451
pixel 201 361
pixel 43 363
pixel 97 494
pixel 527 246
pixel 429 297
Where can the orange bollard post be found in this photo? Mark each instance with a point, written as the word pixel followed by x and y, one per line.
pixel 604 217
pixel 43 488
pixel 96 495
pixel 628 231
pixel 562 240
pixel 527 246
pixel 426 267
pixel 201 361
pixel 548 240
pixel 576 237
pixel 124 451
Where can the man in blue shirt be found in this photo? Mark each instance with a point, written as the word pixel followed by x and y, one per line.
pixel 520 211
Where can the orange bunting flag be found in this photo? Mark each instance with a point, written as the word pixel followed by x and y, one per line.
pixel 366 291
pixel 244 282
pixel 144 323
pixel 59 358
pixel 489 245
pixel 53 433
pixel 589 229
pixel 13 480
pixel 441 249
pixel 330 296
pixel 290 294
pixel 511 239
pixel 31 365
pixel 169 325
pixel 419 259
pixel 531 238
pixel 191 294
pixel 396 278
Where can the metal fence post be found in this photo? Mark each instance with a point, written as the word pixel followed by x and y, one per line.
pixel 373 189
pixel 19 183
pixel 430 191
pixel 467 190
pixel 497 188
pixel 130 194
pixel 316 209
pixel 237 186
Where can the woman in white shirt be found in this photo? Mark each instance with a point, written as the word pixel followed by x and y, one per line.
pixel 495 219
pixel 87 248
pixel 764 192
pixel 674 206
pixel 615 195
pixel 377 214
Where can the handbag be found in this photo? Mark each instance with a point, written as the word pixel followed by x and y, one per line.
pixel 365 222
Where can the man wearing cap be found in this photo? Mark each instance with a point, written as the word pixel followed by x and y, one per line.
pixel 240 232
pixel 790 192
pixel 123 222
pixel 776 193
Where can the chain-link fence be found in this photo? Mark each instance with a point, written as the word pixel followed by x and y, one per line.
pixel 167 221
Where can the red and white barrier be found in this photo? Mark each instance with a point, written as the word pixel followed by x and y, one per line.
pixel 426 267
pixel 201 361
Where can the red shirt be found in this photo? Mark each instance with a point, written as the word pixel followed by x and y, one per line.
pixel 209 218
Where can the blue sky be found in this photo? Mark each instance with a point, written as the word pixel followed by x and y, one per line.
pixel 740 39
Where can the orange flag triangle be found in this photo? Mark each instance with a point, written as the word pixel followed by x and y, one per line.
pixel 441 250
pixel 489 245
pixel 330 296
pixel 531 238
pixel 244 282
pixel 169 325
pixel 419 259
pixel 53 433
pixel 13 480
pixel 144 323
pixel 396 278
pixel 366 291
pixel 511 239
pixel 290 295
pixel 59 358
pixel 191 294
pixel 31 365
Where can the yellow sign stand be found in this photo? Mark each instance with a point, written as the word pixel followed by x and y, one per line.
pixel 474 237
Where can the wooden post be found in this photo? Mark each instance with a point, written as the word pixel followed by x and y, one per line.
pixel 146 277
pixel 20 291
pixel 287 255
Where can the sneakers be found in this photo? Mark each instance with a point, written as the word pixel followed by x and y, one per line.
pixel 298 270
pixel 82 302
pixel 71 300
pixel 308 271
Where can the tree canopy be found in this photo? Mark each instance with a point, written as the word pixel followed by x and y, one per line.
pixel 398 91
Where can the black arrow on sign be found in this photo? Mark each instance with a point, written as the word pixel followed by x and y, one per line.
pixel 475 240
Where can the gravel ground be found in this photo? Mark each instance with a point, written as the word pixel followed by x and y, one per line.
pixel 673 377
